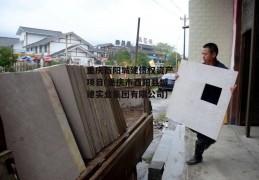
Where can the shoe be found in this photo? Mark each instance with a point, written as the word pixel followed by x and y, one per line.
pixel 194 161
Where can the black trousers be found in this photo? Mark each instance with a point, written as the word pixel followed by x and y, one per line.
pixel 203 142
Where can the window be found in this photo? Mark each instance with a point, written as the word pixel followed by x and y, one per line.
pixel 40 49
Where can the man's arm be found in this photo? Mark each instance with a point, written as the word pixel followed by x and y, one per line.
pixel 176 75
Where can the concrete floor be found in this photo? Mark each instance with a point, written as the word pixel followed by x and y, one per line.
pixel 232 157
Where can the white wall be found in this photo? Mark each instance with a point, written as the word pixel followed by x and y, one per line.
pixel 85 62
pixel 210 21
pixel 54 47
pixel 61 44
pixel 32 38
pixel 85 46
pixel 71 40
pixel 22 36
pixel 18 47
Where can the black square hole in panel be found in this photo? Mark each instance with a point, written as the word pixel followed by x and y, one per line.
pixel 211 94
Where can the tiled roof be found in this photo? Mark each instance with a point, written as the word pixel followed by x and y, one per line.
pixel 49 39
pixel 7 41
pixel 91 49
pixel 38 31
pixel 145 46
pixel 104 45
pixel 72 47
pixel 41 42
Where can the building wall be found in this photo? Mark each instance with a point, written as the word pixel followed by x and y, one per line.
pixel 60 44
pixel 211 21
pixel 70 39
pixel 85 46
pixel 56 46
pixel 21 36
pixel 78 53
pixel 18 47
pixel 32 38
pixel 247 16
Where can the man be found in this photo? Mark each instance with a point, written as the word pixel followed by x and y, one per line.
pixel 209 55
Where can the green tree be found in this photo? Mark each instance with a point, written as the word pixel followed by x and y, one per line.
pixel 7 58
pixel 142 59
pixel 110 61
pixel 123 58
pixel 173 59
pixel 165 47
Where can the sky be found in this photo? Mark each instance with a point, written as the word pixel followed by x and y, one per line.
pixel 100 21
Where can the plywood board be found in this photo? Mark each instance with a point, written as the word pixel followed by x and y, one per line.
pixel 187 104
pixel 65 92
pixel 36 128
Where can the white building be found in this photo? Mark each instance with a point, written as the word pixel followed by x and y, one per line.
pixel 68 47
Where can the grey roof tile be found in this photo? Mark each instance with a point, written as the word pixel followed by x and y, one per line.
pixel 7 41
pixel 38 31
pixel 72 47
pixel 104 45
pixel 49 39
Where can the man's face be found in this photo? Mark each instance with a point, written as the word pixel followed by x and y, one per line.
pixel 207 56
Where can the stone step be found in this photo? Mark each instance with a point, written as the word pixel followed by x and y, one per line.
pixel 164 151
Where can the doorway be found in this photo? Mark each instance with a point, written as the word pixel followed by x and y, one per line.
pixel 246 51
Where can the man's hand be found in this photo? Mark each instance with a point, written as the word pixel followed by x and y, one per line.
pixel 232 89
pixel 176 75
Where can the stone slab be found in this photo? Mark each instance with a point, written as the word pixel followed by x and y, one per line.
pixel 164 146
pixel 86 108
pixel 36 128
pixel 155 170
pixel 175 163
pixel 186 106
pixel 98 108
pixel 65 92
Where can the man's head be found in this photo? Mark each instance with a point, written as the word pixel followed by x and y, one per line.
pixel 209 53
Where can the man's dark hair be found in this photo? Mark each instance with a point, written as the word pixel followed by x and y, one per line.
pixel 213 48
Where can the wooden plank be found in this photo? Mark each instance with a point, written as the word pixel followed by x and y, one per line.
pixel 36 128
pixel 93 165
pixel 130 152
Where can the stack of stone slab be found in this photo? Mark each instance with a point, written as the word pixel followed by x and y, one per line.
pixel 95 122
pixel 50 123
pixel 36 128
pixel 102 117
